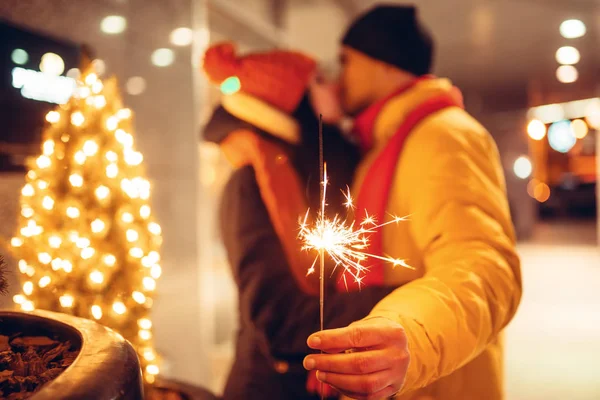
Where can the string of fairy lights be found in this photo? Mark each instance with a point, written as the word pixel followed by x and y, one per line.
pixel 87 243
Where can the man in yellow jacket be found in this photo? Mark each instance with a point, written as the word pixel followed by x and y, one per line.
pixel 439 334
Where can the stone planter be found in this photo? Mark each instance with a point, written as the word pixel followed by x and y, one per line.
pixel 106 367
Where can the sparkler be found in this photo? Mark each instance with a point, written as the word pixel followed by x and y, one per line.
pixel 346 243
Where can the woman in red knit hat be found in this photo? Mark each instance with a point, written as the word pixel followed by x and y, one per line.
pixel 266 123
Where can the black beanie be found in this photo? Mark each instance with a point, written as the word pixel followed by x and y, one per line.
pixel 393 34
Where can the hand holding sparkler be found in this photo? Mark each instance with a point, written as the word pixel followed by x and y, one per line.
pixel 368 359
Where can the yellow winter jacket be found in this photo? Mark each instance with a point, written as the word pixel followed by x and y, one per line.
pixel 467 282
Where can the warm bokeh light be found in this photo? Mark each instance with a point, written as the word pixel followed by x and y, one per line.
pixel 572 29
pixel 568 55
pixel 162 57
pixel 580 128
pixel 113 24
pixel 181 36
pixel 567 74
pixel 536 129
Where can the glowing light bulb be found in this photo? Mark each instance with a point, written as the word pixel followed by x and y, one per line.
pixel 139 297
pixel 162 57
pixel 91 78
pixel 56 264
pixel 119 307
pixel 87 253
pixel 146 262
pixel 127 217
pixel 152 369
pixel 67 266
pixel 96 311
pixel 76 180
pixel 111 156
pixel 154 256
pixel 144 334
pixel 22 266
pixel 84 92
pixel 99 102
pixel 66 300
pixel 82 242
pixel 149 355
pixel 16 242
pixel 136 252
pixel 133 157
pixel 53 117
pixel 112 170
pixel 149 283
pixel 48 203
pixel 145 211
pixel 156 271
pixel 28 288
pixel 43 162
pixel 124 138
pixel 64 137
pixel 567 55
pixel 567 74
pixel 27 306
pixel 44 258
pixel 30 271
pixel 27 190
pixel 181 36
pixel 109 260
pixel 113 24
pixel 112 123
pixel 79 157
pixel 19 299
pixel 97 225
pixel 48 147
pixel 102 192
pixel 72 212
pixel 42 184
pixel 132 235
pixel 154 228
pixel 27 212
pixel 572 29
pixel 580 128
pixel 31 175
pixel 124 113
pixel 97 87
pixel 54 241
pixel 44 281
pixel 144 323
pixel 97 276
pixel 77 118
pixel 90 148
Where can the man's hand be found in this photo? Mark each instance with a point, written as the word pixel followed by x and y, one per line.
pixel 376 366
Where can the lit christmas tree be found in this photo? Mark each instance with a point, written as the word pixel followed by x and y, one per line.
pixel 86 242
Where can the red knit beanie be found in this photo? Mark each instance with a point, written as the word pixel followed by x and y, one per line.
pixel 277 77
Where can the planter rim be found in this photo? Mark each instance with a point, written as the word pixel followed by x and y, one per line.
pixel 107 366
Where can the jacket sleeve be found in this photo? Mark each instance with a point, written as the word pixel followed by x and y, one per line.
pixel 270 300
pixel 461 223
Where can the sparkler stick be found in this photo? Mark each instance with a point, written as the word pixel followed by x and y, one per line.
pixel 322 251
pixel 345 243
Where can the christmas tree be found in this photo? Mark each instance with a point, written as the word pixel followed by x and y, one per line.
pixel 86 242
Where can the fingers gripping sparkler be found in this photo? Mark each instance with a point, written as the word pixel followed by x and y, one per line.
pixel 346 243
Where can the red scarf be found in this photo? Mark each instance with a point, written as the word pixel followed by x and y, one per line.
pixel 375 190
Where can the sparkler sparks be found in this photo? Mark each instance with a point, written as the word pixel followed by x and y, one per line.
pixel 345 242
